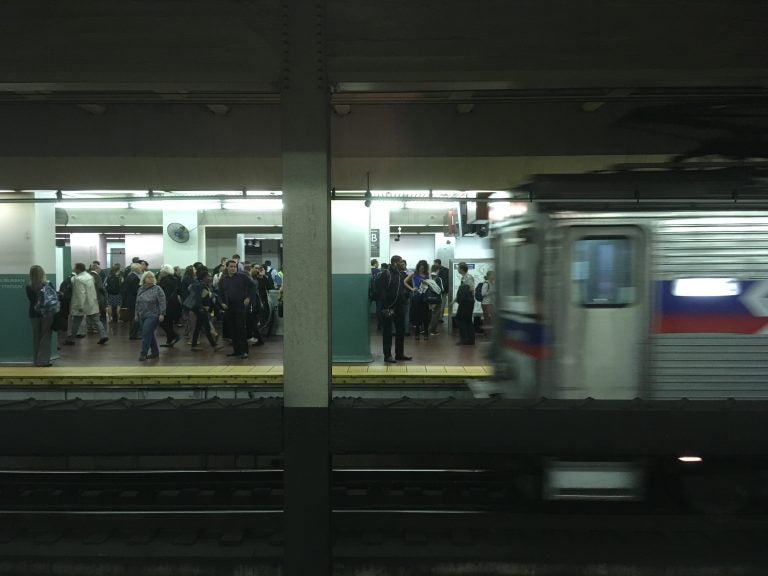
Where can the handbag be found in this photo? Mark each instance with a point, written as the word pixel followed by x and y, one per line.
pixel 189 302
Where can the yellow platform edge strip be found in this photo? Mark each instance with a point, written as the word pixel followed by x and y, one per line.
pixel 131 376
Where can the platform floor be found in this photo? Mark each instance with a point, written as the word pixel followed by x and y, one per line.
pixel 436 361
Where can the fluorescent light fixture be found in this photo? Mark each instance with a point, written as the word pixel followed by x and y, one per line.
pixel 92 205
pixel 706 287
pixel 400 193
pixel 690 459
pixel 101 193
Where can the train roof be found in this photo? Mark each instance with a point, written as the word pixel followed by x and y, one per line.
pixel 653 186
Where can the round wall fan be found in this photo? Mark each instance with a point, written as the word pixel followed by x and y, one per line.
pixel 178 232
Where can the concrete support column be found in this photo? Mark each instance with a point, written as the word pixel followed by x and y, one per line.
pixel 307 304
pixel 28 236
pixel 351 277
pixel 180 253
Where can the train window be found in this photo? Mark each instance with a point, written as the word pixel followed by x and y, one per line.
pixel 516 280
pixel 602 269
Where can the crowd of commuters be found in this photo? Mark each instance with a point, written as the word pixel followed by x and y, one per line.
pixel 231 303
pixel 415 301
pixel 234 296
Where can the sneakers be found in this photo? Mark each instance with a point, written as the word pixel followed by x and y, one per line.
pixel 243 356
pixel 142 358
pixel 390 360
pixel 103 340
pixel 403 358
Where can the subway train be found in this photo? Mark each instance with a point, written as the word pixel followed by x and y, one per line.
pixel 643 283
pixel 635 284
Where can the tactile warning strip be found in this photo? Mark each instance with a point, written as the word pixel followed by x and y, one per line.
pixel 380 375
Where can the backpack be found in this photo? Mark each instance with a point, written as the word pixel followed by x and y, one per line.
pixel 113 284
pixel 47 301
pixel 479 291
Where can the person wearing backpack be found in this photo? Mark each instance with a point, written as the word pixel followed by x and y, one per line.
pixel 42 309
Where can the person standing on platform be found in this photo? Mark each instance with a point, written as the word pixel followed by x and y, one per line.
pixel 235 289
pixel 130 291
pixel 487 292
pixel 101 292
pixel 202 294
pixel 239 265
pixel 113 285
pixel 170 284
pixel 437 309
pixel 220 267
pixel 85 303
pixel 150 312
pixel 375 271
pixel 391 291
pixel 465 297
pixel 41 320
pixel 445 277
pixel 420 312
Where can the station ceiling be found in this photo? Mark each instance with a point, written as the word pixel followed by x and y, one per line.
pixel 435 93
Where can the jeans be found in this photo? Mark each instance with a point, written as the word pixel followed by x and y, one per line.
pixel 148 340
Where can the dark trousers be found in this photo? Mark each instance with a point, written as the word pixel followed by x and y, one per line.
pixel 41 340
pixel 167 326
pixel 464 320
pixel 235 319
pixel 396 321
pixel 203 324
pixel 421 315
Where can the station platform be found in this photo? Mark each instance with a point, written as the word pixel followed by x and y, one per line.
pixel 437 361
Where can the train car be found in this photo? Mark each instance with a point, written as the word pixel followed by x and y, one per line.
pixel 634 283
pixel 645 298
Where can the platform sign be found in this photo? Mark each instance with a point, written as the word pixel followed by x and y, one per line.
pixel 375 242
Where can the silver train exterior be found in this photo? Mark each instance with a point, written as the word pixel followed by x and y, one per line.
pixel 657 304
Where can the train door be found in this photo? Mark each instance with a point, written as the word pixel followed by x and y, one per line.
pixel 519 337
pixel 603 320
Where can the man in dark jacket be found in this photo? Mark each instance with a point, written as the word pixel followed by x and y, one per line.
pixel 130 290
pixel 391 296
pixel 236 290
